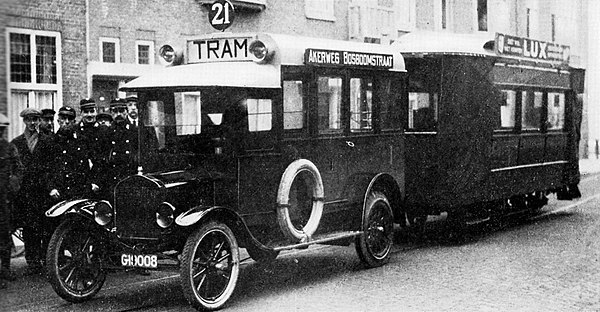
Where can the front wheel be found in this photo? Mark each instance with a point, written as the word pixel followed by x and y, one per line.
pixel 373 246
pixel 210 266
pixel 73 260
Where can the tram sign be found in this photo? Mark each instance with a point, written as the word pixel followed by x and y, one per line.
pixel 529 48
pixel 347 58
pixel 218 50
pixel 221 14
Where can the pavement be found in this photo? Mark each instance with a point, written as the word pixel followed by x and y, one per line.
pixel 589 166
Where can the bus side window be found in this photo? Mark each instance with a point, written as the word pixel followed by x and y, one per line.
pixel 361 104
pixel 293 109
pixel 508 109
pixel 389 97
pixel 330 104
pixel 422 111
pixel 260 114
pixel 556 111
pixel 531 110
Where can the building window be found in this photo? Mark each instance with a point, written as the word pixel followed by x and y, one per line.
pixel 528 23
pixel 145 52
pixel 110 50
pixel 482 15
pixel 319 9
pixel 444 14
pixel 553 17
pixel 34 68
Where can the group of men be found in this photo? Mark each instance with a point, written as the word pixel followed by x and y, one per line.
pixel 41 167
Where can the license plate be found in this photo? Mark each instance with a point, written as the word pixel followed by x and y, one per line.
pixel 139 261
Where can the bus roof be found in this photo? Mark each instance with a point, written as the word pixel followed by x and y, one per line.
pixel 289 50
pixel 423 43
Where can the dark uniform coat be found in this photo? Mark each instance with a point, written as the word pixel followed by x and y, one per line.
pixel 121 159
pixel 10 174
pixel 71 172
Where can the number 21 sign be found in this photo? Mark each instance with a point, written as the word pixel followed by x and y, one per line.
pixel 221 14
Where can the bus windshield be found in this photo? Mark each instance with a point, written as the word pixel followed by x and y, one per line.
pixel 212 122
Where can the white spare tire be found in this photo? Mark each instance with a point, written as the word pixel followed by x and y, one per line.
pixel 314 184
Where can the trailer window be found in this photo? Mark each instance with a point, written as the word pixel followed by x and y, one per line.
pixel 508 109
pixel 556 111
pixel 389 98
pixel 422 111
pixel 531 110
pixel 293 109
pixel 330 104
pixel 361 104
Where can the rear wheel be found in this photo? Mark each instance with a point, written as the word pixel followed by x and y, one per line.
pixel 74 261
pixel 210 266
pixel 373 246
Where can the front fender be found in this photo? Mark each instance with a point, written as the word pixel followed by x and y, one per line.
pixel 79 206
pixel 195 214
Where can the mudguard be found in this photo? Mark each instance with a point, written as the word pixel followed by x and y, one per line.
pixel 83 207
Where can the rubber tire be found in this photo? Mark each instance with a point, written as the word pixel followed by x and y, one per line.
pixel 378 229
pixel 69 229
pixel 188 256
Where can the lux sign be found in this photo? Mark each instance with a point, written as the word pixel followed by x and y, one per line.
pixel 529 48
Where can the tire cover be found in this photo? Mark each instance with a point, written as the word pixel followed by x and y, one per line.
pixel 283 196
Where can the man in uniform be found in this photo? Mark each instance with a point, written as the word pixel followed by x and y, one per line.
pixel 89 132
pixel 121 159
pixel 70 175
pixel 104 119
pixel 47 121
pixel 10 170
pixel 32 199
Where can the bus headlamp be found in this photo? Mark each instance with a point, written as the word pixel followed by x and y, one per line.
pixel 165 215
pixel 170 55
pixel 103 213
pixel 260 51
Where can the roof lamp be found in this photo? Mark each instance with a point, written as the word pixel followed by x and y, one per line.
pixel 169 56
pixel 261 53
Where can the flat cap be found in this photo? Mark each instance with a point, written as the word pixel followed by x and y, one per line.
pixel 67 111
pixel 48 113
pixel 30 112
pixel 118 102
pixel 87 102
pixel 131 99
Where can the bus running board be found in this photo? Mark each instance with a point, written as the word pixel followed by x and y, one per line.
pixel 320 239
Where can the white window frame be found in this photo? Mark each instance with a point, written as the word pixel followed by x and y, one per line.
pixel 31 88
pixel 117 43
pixel 151 51
pixel 320 9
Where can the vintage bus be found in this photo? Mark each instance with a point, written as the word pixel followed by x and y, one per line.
pixel 274 142
pixel 492 125
pixel 266 142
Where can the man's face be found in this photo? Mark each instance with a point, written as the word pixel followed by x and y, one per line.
pixel 65 121
pixel 88 114
pixel 132 110
pixel 47 124
pixel 31 123
pixel 104 122
pixel 119 114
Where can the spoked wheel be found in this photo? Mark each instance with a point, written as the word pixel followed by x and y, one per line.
pixel 74 261
pixel 17 245
pixel 210 266
pixel 375 243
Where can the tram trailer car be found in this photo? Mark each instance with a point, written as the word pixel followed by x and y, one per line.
pixel 265 142
pixel 493 125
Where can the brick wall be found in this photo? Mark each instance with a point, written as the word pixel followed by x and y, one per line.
pixel 64 16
